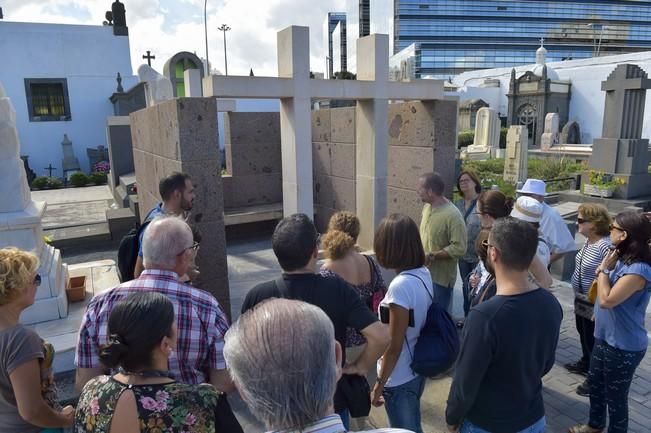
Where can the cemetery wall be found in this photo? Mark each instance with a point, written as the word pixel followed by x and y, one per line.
pixel 181 135
pixel 70 52
pixel 253 159
pixel 422 138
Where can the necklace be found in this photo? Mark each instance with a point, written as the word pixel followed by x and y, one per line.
pixel 148 373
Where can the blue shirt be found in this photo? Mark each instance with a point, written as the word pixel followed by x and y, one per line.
pixel 623 326
pixel 158 210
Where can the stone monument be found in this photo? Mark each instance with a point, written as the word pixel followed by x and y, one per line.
pixel 571 133
pixel 158 88
pixel 622 151
pixel 517 149
pixel 70 162
pixel 551 135
pixel 97 155
pixel 20 223
pixel 487 135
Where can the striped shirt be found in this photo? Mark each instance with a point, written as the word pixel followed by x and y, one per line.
pixel 200 321
pixel 333 424
pixel 586 262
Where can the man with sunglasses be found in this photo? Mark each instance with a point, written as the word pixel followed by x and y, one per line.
pixel 168 251
pixel 509 343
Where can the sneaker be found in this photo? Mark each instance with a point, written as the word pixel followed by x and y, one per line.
pixel 577 368
pixel 584 389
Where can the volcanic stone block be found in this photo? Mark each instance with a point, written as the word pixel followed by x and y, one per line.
pixel 253 190
pixel 321 125
pixel 253 158
pixel 334 159
pixel 406 164
pixel 342 125
pixel 335 192
pixel 249 128
pixel 410 124
pixel 404 201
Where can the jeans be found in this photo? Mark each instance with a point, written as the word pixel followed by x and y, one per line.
pixel 585 328
pixel 611 373
pixel 402 404
pixel 443 295
pixel 345 418
pixel 465 268
pixel 537 427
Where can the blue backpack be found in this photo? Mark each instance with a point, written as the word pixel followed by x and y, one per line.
pixel 437 346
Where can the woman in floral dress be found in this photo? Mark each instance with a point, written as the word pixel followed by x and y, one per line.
pixel 143 396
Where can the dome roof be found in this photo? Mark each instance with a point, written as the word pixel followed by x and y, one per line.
pixel 551 73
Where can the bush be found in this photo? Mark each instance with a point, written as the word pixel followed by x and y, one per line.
pixel 466 138
pixel 503 132
pixel 78 179
pixel 40 182
pixel 54 183
pixel 98 178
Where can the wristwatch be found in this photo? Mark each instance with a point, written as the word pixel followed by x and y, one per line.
pixel 606 271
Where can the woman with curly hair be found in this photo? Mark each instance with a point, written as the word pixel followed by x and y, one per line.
pixel 621 339
pixel 23 406
pixel 344 260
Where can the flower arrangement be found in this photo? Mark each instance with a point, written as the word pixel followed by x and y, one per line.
pixel 101 167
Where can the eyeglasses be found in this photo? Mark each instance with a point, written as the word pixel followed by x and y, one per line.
pixel 194 247
pixel 37 280
pixel 614 227
pixel 581 221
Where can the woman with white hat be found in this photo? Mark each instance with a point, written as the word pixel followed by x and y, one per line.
pixel 530 210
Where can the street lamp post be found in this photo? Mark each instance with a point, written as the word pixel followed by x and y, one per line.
pixel 224 28
pixel 205 27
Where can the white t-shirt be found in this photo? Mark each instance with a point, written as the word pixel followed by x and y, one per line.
pixel 410 293
pixel 555 231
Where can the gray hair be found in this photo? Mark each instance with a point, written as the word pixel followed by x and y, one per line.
pixel 281 356
pixel 165 237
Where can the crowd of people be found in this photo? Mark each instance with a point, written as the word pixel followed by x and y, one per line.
pixel 156 354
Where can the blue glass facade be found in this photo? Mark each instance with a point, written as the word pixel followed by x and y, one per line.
pixel 453 36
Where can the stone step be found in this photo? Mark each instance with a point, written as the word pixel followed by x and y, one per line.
pixel 79 235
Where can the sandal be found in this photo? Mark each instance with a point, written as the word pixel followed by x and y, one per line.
pixel 584 428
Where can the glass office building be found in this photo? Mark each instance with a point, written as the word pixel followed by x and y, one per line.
pixel 447 37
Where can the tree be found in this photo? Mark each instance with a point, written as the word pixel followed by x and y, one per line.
pixel 344 75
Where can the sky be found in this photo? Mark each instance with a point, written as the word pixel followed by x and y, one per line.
pixel 166 27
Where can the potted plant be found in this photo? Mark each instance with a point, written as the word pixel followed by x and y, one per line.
pixel 601 184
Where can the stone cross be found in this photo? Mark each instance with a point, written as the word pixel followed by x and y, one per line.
pixel 148 57
pixel 372 90
pixel 621 150
pixel 50 169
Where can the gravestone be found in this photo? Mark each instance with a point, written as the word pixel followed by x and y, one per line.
pixel 551 135
pixel 97 155
pixel 517 149
pixel 571 133
pixel 487 135
pixel 158 88
pixel 20 224
pixel 70 162
pixel 622 151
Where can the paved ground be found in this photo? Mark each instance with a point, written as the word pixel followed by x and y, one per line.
pixel 253 261
pixel 73 207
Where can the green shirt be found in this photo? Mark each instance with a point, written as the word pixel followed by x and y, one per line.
pixel 443 228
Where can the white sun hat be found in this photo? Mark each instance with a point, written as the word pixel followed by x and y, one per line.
pixel 533 186
pixel 527 209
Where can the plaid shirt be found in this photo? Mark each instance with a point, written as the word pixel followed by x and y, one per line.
pixel 200 320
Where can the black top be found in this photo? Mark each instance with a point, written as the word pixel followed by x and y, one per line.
pixel 332 294
pixel 509 345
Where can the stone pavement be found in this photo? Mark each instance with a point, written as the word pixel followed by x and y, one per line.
pixel 253 261
pixel 73 207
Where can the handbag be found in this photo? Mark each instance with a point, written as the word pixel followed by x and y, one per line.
pixel 593 292
pixel 225 420
pixel 584 304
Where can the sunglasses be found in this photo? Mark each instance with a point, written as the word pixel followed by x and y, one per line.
pixel 37 280
pixel 194 247
pixel 614 227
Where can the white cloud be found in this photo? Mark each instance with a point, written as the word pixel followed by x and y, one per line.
pixel 166 27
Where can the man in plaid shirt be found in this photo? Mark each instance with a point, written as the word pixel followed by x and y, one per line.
pixel 168 250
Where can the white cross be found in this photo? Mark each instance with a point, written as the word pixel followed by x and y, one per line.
pixel 542 41
pixel 372 90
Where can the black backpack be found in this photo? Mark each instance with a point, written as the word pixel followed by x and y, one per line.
pixel 437 346
pixel 128 250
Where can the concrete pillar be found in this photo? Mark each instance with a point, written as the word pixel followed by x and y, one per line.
pixel 192 81
pixel 372 136
pixel 295 121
